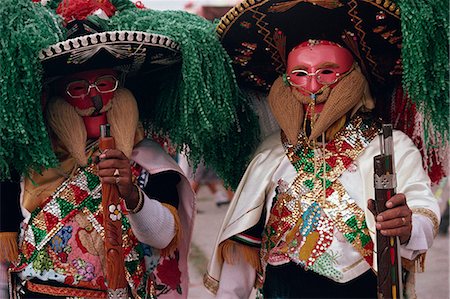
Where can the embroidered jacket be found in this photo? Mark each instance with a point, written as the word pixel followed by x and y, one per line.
pixel 271 173
pixel 61 241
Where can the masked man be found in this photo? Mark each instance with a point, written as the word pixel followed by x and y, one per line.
pixel 300 225
pixel 88 77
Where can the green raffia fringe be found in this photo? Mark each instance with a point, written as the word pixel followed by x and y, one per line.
pixel 201 107
pixel 425 57
pixel 25 29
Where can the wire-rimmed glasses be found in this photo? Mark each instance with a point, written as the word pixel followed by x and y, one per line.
pixel 81 88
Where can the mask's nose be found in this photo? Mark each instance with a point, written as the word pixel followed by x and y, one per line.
pixel 312 85
pixel 97 102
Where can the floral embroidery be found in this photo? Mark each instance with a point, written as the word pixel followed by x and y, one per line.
pixel 62 241
pixel 85 270
pixel 169 275
pixel 115 212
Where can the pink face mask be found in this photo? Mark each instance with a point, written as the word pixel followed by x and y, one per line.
pixel 91 90
pixel 313 65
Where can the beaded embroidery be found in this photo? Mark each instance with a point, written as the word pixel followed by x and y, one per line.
pixel 302 219
pixel 53 235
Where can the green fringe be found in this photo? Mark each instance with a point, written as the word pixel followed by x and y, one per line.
pixel 425 58
pixel 25 29
pixel 201 106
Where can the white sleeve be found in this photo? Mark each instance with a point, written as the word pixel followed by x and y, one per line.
pixel 421 237
pixel 153 224
pixel 413 181
pixel 236 281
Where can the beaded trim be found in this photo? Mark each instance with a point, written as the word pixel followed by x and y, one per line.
pixel 115 39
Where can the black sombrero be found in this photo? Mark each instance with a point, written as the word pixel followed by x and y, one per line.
pixel 258 34
pixel 171 61
pixel 88 46
pixel 401 46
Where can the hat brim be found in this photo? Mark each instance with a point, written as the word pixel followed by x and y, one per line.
pixel 248 32
pixel 130 51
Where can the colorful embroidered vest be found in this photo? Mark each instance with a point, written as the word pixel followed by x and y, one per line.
pixel 315 209
pixel 62 243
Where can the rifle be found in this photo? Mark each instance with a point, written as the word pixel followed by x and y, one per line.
pixel 389 277
pixel 115 262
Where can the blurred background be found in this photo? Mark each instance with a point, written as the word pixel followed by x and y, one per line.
pixel 194 6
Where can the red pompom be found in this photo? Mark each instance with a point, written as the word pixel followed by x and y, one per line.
pixel 71 10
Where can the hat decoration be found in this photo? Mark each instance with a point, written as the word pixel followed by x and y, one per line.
pixel 399 45
pixel 181 76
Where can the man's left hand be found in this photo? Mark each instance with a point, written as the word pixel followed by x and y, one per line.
pixel 397 219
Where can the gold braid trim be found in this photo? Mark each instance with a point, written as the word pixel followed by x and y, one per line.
pixel 430 215
pixel 176 239
pixel 233 14
pixel 232 251
pixel 387 5
pixel 9 251
pixel 210 283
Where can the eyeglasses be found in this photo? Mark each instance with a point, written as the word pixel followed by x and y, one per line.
pixel 325 76
pixel 81 88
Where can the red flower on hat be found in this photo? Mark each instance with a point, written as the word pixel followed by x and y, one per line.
pixel 80 9
pixel 169 274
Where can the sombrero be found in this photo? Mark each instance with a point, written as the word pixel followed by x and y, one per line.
pixel 172 61
pixel 259 34
pixel 396 43
pixel 88 46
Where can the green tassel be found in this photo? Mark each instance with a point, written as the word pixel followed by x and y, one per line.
pixel 425 58
pixel 201 106
pixel 25 29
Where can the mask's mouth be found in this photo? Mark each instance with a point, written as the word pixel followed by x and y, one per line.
pixel 313 109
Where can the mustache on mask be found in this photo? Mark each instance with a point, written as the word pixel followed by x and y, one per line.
pixel 68 125
pixel 286 104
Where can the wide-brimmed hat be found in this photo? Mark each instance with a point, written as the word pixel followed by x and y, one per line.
pixel 88 46
pixel 259 34
pixel 396 43
pixel 172 61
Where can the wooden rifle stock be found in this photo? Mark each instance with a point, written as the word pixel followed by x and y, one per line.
pixel 115 262
pixel 389 264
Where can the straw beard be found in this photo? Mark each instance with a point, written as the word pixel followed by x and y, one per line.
pixel 349 95
pixel 67 123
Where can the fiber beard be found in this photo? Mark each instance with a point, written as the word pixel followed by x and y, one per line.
pixel 348 96
pixel 67 124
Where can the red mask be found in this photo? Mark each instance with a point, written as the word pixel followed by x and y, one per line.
pixel 89 92
pixel 314 65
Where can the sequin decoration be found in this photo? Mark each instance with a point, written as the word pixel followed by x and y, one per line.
pixel 326 190
pixel 44 239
